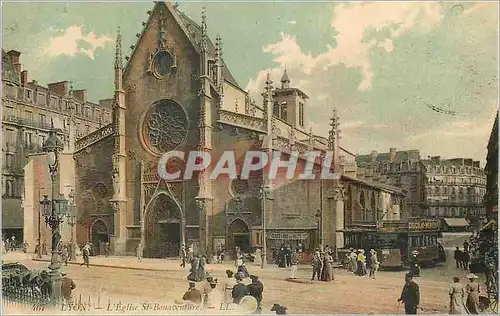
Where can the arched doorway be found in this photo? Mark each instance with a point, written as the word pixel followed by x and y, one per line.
pixel 99 237
pixel 163 229
pixel 238 235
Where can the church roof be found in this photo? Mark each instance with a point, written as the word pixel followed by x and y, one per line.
pixel 285 78
pixel 195 32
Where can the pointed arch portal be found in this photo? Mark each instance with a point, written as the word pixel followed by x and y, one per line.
pixel 238 235
pixel 163 222
pixel 99 237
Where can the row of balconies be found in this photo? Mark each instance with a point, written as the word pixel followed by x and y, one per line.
pixel 26 122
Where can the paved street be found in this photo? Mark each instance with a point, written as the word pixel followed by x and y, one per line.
pixel 164 281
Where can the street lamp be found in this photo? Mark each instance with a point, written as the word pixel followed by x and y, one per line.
pixel 55 209
pixel 318 221
pixel 71 222
pixel 264 192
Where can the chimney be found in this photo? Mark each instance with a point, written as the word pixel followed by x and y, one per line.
pixel 24 77
pixel 373 155
pixel 60 88
pixel 392 155
pixel 14 57
pixel 80 95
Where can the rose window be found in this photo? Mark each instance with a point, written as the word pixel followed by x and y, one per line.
pixel 165 126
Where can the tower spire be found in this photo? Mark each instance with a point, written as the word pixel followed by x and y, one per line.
pixel 204 28
pixel 285 81
pixel 118 50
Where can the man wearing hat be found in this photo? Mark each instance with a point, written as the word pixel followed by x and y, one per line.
pixel 410 296
pixel 374 264
pixel 239 290
pixel 67 286
pixel 192 294
pixel 255 289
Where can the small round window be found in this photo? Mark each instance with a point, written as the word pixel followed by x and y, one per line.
pixel 162 64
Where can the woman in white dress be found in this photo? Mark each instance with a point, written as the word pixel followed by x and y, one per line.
pixel 457 294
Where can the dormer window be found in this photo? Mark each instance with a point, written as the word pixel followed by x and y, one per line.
pixel 276 109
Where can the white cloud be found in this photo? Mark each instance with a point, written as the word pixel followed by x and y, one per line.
pixel 70 42
pixel 292 22
pixel 351 22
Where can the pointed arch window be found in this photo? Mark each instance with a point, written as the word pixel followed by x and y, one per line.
pixel 284 111
pixel 276 109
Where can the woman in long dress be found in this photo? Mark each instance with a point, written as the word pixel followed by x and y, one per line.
pixel 227 287
pixel 472 289
pixel 457 294
pixel 326 271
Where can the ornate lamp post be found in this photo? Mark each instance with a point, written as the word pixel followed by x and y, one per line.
pixel 71 222
pixel 54 210
pixel 264 192
pixel 318 221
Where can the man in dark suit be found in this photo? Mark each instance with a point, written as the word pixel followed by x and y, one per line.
pixel 239 290
pixel 410 295
pixel 256 289
pixel 457 255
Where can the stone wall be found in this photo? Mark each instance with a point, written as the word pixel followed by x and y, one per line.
pixel 94 188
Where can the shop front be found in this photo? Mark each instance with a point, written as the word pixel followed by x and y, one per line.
pixel 304 241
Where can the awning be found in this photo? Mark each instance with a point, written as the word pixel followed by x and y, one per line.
pixel 456 222
pixel 490 223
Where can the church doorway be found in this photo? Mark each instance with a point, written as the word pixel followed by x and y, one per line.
pixel 163 229
pixel 238 236
pixel 99 238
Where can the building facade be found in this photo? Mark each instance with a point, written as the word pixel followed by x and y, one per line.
pixel 455 190
pixel 402 169
pixel 491 171
pixel 176 93
pixel 27 112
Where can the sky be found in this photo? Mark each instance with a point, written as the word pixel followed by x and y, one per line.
pixel 395 72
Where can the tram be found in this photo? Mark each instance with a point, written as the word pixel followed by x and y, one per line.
pixel 399 243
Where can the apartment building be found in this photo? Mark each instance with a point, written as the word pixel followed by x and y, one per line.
pixel 28 110
pixel 455 191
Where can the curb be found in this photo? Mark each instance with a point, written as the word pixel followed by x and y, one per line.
pixel 109 266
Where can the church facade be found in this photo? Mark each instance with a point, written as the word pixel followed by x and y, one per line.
pixel 176 93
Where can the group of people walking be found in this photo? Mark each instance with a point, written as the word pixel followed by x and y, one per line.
pixel 465 300
pixel 322 263
pixel 357 262
pixel 462 257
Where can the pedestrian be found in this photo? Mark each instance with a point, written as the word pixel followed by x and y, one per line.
pixel 139 251
pixel 227 287
pixel 64 255
pixel 44 248
pixel 466 260
pixel 361 271
pixel 86 255
pixel 353 263
pixel 192 294
pixel 294 262
pixel 466 246
pixel 374 264
pixel 457 297
pixel 183 255
pixel 25 246
pixel 107 250
pixel 239 290
pixel 222 254
pixel 200 275
pixel 473 290
pixel 410 296
pixel 457 255
pixel 288 256
pixel 255 289
pixel 193 272
pixel 316 265
pixel 67 287
pixel 258 256
pixel 326 269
